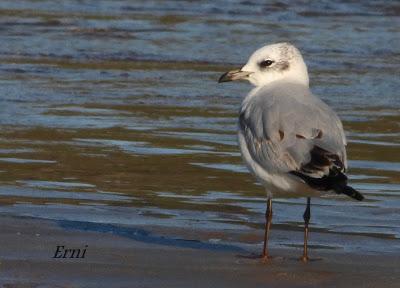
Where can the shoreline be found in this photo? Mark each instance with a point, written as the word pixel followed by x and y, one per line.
pixel 112 260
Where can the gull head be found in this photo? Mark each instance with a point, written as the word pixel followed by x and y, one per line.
pixel 275 62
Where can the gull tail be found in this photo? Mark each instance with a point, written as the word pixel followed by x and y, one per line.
pixel 349 191
pixel 335 181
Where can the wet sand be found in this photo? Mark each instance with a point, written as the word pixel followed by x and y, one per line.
pixel 28 245
pixel 111 112
pixel 114 129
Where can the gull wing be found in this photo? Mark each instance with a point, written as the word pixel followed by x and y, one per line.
pixel 289 130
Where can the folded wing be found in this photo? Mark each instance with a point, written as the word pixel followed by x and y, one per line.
pixel 288 130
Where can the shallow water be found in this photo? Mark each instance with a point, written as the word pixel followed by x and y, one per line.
pixel 110 112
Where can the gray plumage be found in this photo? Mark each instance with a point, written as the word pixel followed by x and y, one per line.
pixel 283 122
pixel 289 139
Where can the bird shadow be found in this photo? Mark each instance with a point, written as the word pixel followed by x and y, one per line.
pixel 261 259
pixel 142 235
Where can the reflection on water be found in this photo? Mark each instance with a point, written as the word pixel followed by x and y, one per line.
pixel 110 112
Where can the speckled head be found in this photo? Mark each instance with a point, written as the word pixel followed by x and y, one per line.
pixel 280 61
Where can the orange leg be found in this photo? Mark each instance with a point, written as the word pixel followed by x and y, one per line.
pixel 306 217
pixel 268 220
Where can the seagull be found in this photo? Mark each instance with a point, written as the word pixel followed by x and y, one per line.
pixel 290 140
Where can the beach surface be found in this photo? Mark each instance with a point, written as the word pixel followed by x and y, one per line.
pixel 115 134
pixel 28 246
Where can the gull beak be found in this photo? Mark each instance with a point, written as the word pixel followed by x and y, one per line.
pixel 234 75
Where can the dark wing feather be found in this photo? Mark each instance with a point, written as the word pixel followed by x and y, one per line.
pixel 335 180
pixel 289 130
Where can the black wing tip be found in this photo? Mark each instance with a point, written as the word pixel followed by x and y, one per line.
pixel 334 181
pixel 351 192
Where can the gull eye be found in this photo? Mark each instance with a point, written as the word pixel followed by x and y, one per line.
pixel 265 63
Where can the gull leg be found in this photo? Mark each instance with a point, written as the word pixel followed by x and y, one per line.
pixel 268 218
pixel 306 217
